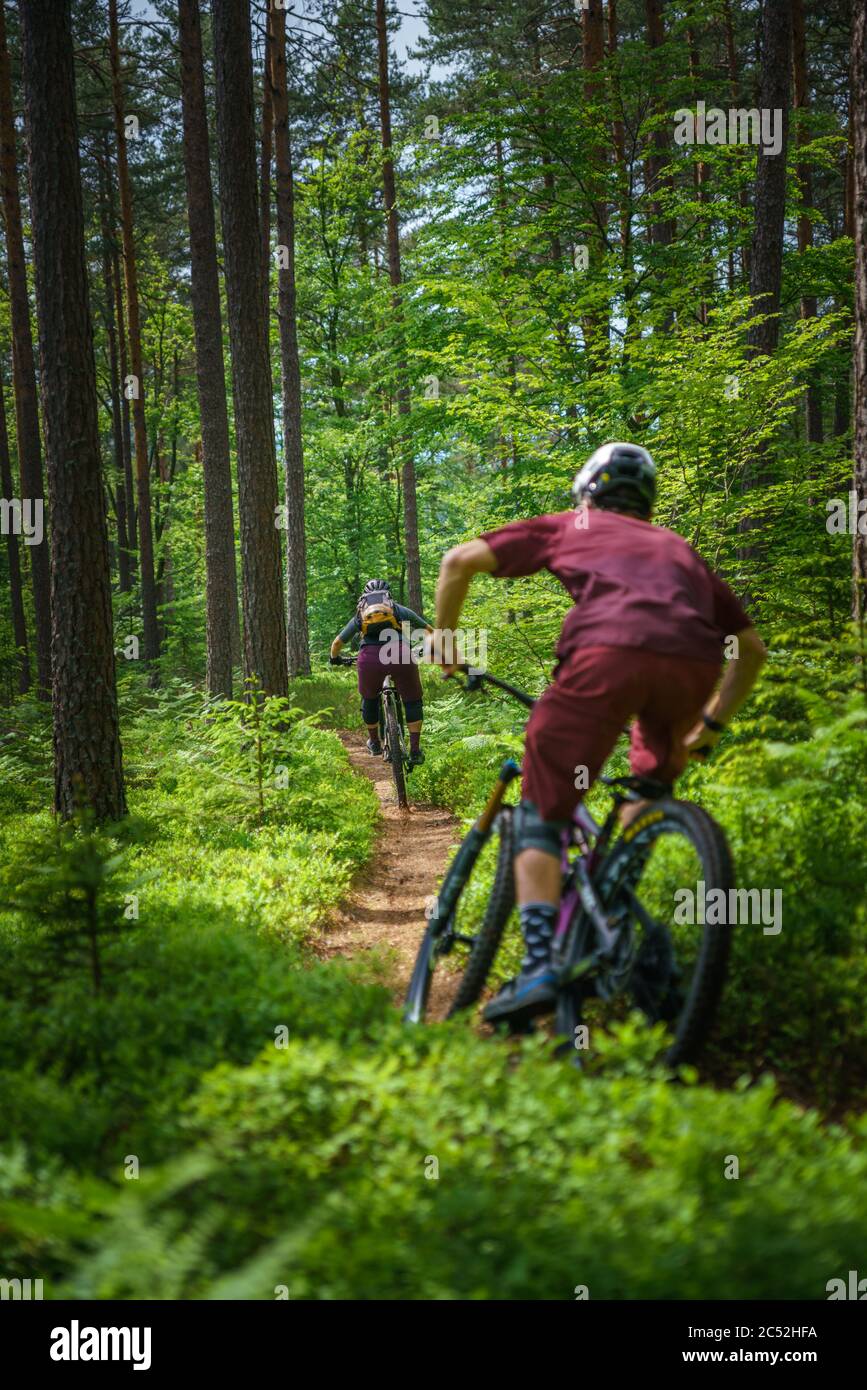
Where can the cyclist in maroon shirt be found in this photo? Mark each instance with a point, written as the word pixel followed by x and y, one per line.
pixel 644 640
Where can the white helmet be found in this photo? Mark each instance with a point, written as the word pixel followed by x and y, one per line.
pixel 620 473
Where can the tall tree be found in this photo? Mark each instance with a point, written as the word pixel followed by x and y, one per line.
pixel 766 257
pixel 221 586
pixel 115 391
pixel 150 626
pixel 809 303
pixel 16 596
pixel 859 160
pixel 410 503
pixel 766 254
pixel 264 613
pixel 88 772
pixel 23 369
pixel 658 180
pixel 293 446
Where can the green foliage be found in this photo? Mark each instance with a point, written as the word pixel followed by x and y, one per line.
pixel 505 1178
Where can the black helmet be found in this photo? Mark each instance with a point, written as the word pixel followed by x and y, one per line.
pixel 377 586
pixel 618 475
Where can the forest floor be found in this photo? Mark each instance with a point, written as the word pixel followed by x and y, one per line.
pixel 385 907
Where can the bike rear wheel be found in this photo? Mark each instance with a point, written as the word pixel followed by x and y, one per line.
pixel 476 925
pixel 395 750
pixel 671 970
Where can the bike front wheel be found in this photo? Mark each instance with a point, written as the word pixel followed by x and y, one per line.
pixel 484 878
pixel 670 961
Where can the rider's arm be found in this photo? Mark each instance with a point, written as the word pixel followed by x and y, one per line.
pixel 456 572
pixel 740 676
pixel 345 635
pixel 406 615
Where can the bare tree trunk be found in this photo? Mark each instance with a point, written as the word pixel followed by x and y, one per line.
pixel 293 445
pixel 16 596
pixel 732 57
pixel 24 372
pixel 410 504
pixel 263 602
pixel 221 585
pixel 619 139
pixel 123 565
pixel 859 161
pixel 770 205
pixel 125 422
pixel 88 771
pixel 266 151
pixel 809 305
pixel 662 228
pixel 150 626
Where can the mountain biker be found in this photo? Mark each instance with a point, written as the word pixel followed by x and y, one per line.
pixel 644 639
pixel 385 650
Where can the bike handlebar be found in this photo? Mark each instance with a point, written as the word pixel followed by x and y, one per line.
pixel 476 679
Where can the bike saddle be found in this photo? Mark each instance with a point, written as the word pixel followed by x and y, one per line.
pixel 643 788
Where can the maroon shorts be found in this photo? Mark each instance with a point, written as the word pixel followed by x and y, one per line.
pixel 373 667
pixel 578 720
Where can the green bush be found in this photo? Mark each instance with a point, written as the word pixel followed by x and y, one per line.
pixel 434 1164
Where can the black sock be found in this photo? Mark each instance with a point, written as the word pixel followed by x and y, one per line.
pixel 538 921
pixel 414 740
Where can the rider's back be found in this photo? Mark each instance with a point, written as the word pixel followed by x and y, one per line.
pixel 633 584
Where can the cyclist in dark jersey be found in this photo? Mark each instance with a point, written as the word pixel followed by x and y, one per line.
pixel 385 627
pixel 644 640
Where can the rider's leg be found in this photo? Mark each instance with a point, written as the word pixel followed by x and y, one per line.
pixel 571 732
pixel 675 692
pixel 408 683
pixel 371 676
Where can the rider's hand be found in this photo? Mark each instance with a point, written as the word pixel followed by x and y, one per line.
pixel 700 741
pixel 436 648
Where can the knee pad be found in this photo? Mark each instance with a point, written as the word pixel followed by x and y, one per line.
pixel 535 833
pixel 413 710
pixel 370 710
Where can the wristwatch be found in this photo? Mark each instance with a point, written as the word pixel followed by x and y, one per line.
pixel 713 724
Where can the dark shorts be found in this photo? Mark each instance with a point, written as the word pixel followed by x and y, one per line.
pixel 596 691
pixel 373 668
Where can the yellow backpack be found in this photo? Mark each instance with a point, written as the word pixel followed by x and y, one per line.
pixel 376 609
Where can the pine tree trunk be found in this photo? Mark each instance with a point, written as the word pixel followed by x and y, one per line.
pixel 150 626
pixel 24 373
pixel 766 255
pixel 859 161
pixel 293 446
pixel 263 602
pixel 123 565
pixel 222 617
pixel 408 481
pixel 125 422
pixel 88 771
pixel 16 596
pixel 732 60
pixel 809 305
pixel 662 228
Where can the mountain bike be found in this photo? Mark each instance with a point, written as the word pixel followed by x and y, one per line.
pixel 611 943
pixel 392 732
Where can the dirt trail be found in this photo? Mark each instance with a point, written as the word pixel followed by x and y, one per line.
pixel 386 904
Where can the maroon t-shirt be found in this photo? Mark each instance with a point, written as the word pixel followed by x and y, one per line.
pixel 633 584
